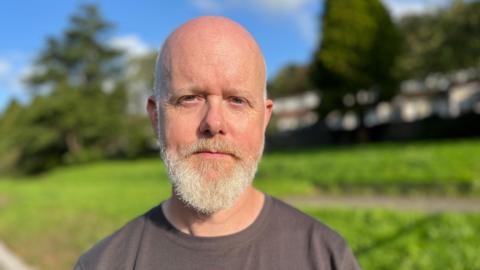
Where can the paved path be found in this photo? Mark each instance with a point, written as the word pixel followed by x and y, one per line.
pixel 427 204
pixel 8 261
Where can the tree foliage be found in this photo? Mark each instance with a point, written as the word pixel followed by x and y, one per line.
pixel 78 108
pixel 359 47
pixel 290 80
pixel 441 41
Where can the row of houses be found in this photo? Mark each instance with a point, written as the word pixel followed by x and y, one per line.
pixel 444 95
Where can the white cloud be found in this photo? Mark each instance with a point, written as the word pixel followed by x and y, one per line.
pixel 4 68
pixel 131 44
pixel 12 71
pixel 308 27
pixel 399 8
pixel 302 13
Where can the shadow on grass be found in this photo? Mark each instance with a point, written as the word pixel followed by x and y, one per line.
pixel 401 232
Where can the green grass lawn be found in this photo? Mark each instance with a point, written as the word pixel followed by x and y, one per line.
pixel 442 168
pixel 401 240
pixel 50 219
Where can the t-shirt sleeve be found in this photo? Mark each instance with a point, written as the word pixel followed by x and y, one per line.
pixel 78 266
pixel 349 262
pixel 342 257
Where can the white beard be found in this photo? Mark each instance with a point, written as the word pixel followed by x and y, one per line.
pixel 209 185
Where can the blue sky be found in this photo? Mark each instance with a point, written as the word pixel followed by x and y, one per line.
pixel 287 30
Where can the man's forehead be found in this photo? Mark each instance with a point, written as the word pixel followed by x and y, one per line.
pixel 211 27
pixel 211 36
pixel 209 48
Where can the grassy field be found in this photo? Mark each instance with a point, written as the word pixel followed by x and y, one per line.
pixel 386 239
pixel 442 168
pixel 50 219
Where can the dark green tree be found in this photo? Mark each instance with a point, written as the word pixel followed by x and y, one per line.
pixel 359 48
pixel 79 58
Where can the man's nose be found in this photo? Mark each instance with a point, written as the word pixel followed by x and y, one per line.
pixel 213 122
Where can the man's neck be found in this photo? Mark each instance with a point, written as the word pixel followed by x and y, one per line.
pixel 224 222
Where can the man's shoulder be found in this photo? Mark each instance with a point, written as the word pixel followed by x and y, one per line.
pixel 309 237
pixel 317 237
pixel 286 214
pixel 118 250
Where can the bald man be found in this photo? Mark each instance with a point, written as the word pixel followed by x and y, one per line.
pixel 210 111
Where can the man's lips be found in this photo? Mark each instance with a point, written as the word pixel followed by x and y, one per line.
pixel 213 154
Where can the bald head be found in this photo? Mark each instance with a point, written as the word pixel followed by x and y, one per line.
pixel 215 43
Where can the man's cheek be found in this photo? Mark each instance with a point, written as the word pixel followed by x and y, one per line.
pixel 178 129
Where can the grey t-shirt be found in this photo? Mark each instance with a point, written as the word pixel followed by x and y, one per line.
pixel 280 238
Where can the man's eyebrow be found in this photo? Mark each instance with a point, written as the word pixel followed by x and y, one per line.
pixel 238 92
pixel 194 90
pixel 199 90
pixel 173 93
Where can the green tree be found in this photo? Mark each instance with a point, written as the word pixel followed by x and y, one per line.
pixel 78 108
pixel 290 80
pixel 359 48
pixel 79 58
pixel 441 41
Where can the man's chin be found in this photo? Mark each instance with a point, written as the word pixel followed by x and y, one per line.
pixel 211 202
pixel 201 210
pixel 210 191
pixel 213 170
pixel 209 185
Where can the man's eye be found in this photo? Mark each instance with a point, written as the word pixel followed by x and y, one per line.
pixel 238 100
pixel 187 99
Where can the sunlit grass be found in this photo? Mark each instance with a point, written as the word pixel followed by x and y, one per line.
pixel 449 167
pixel 49 220
pixel 386 239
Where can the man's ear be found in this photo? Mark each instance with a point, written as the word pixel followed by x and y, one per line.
pixel 268 112
pixel 152 113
